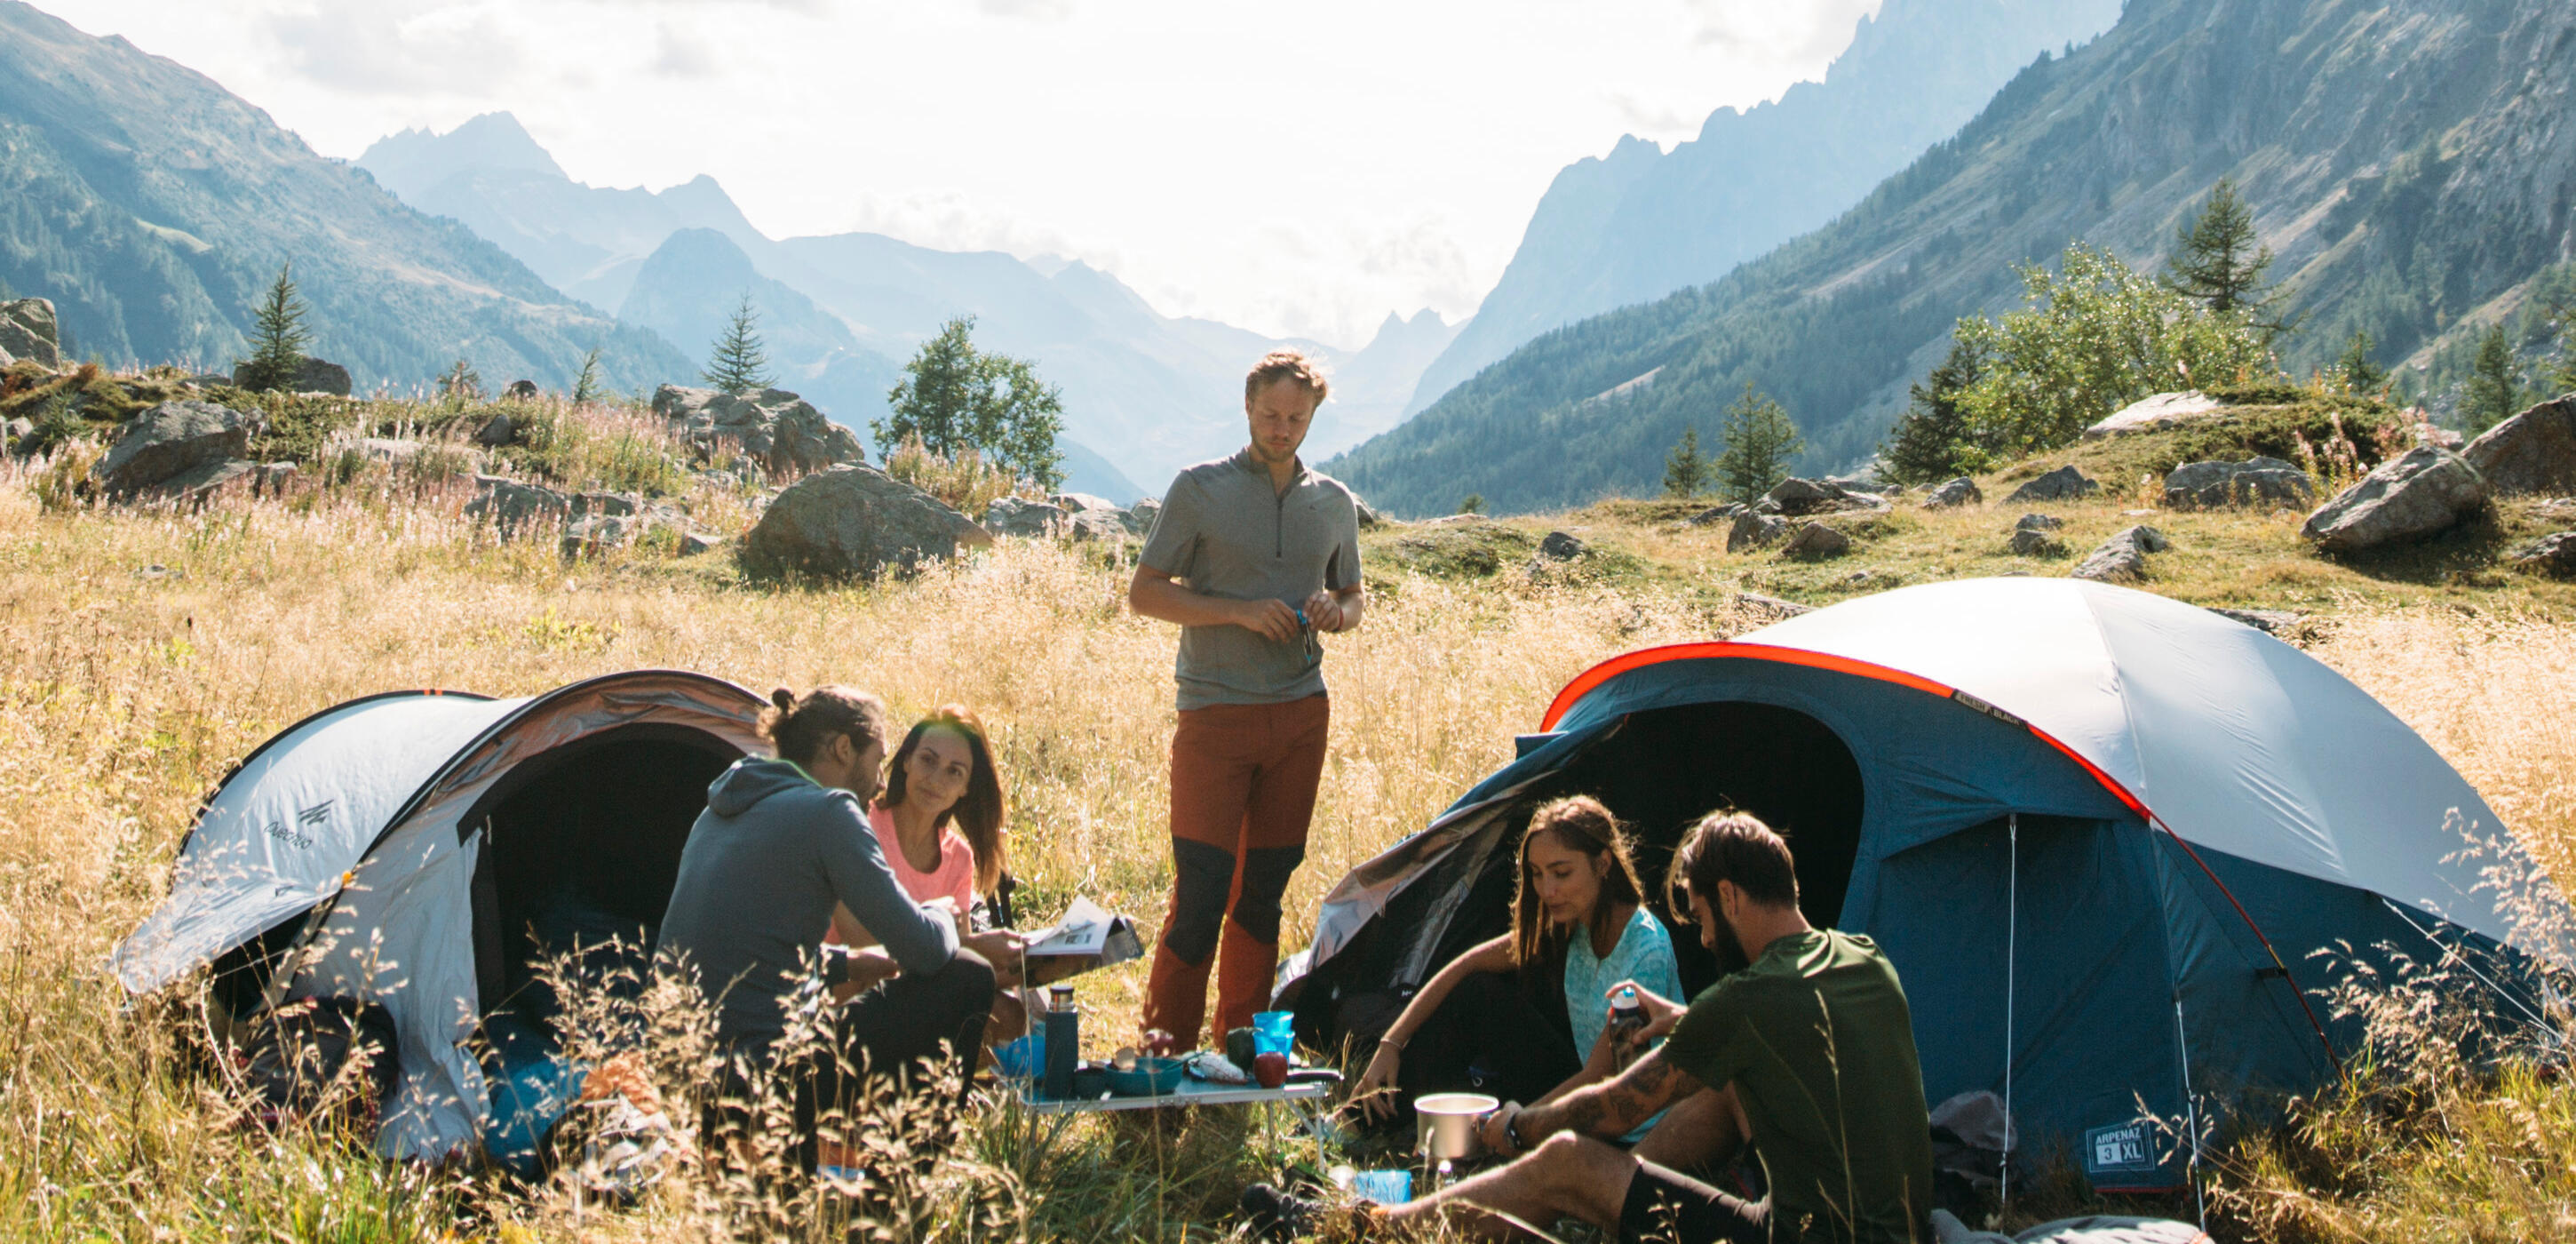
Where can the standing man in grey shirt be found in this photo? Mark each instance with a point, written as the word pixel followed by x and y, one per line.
pixel 1253 556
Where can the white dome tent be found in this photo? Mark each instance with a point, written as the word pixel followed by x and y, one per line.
pixel 398 849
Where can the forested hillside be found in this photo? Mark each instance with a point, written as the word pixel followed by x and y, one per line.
pixel 153 208
pixel 1642 222
pixel 2411 163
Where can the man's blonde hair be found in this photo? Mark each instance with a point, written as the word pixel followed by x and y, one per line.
pixel 1281 365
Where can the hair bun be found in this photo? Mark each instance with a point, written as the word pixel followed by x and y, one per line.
pixel 784 699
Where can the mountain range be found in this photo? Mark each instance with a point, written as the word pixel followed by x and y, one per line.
pixel 154 208
pixel 840 312
pixel 1641 222
pixel 2412 164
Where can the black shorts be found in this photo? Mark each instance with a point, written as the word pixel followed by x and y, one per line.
pixel 1665 1206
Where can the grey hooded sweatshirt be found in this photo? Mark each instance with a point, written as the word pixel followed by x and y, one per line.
pixel 757 881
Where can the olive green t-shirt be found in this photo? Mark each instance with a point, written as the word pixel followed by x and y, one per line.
pixel 1816 1038
pixel 1226 531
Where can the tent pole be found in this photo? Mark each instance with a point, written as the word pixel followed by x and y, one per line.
pixel 2191 1113
pixel 2012 956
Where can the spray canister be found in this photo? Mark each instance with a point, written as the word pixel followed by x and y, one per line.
pixel 1063 1041
pixel 1627 1015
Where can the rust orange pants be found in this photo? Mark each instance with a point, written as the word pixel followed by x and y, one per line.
pixel 1243 791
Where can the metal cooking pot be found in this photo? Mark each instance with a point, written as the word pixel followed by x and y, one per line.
pixel 1444 1125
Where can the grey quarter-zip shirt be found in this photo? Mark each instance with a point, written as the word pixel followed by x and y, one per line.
pixel 1226 532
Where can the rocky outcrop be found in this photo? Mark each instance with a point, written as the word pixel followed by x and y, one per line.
pixel 2063 484
pixel 2424 492
pixel 1082 503
pixel 521 390
pixel 312 375
pixel 2162 410
pixel 853 522
pixel 1368 517
pixel 2554 556
pixel 781 431
pixel 2122 558
pixel 1141 516
pixel 497 431
pixel 1816 542
pixel 1562 546
pixel 1956 493
pixel 515 507
pixel 2214 485
pixel 1727 513
pixel 1753 531
pixel 1086 525
pixel 1797 498
pixel 2534 451
pixel 28 331
pixel 170 440
pixel 1020 516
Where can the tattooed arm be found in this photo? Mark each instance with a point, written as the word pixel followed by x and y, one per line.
pixel 1607 1110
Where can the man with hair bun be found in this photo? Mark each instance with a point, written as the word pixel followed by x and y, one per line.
pixel 1254 556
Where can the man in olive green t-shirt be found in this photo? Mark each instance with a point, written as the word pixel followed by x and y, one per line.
pixel 1808 1052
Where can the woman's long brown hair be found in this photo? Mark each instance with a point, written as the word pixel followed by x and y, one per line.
pixel 1578 823
pixel 978 812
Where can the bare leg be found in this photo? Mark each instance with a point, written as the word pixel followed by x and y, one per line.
pixel 1565 1175
pixel 1698 1133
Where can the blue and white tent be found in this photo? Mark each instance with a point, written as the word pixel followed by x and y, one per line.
pixel 413 848
pixel 2099 832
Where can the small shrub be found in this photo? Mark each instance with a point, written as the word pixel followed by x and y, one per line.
pixel 965 482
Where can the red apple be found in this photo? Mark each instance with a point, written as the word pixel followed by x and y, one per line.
pixel 1271 1069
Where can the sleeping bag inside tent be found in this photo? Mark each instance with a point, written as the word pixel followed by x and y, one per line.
pixel 2098 832
pixel 423 851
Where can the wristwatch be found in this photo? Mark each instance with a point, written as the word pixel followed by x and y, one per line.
pixel 1512 1129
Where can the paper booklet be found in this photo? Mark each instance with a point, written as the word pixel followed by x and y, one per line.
pixel 1085 938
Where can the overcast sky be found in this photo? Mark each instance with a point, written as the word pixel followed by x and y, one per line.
pixel 1295 169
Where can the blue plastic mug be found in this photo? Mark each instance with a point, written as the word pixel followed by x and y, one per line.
pixel 1274 1032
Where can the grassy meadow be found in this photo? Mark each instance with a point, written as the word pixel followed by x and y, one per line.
pixel 146 650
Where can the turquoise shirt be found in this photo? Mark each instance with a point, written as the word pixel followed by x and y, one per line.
pixel 1644 955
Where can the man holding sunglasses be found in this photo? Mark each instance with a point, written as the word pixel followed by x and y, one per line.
pixel 1254 556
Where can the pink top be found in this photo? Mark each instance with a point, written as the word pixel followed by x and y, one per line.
pixel 955 876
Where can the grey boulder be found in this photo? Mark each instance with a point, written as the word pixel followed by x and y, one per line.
pixel 1562 546
pixel 28 331
pixel 2425 491
pixel 1082 503
pixel 2122 558
pixel 2063 484
pixel 523 390
pixel 1816 542
pixel 1753 531
pixel 1086 525
pixel 1368 517
pixel 852 522
pixel 1722 514
pixel 169 440
pixel 784 433
pixel 1141 516
pixel 2554 556
pixel 497 431
pixel 1958 492
pixel 1020 516
pixel 2534 451
pixel 1797 498
pixel 2214 484
pixel 312 375
pixel 512 506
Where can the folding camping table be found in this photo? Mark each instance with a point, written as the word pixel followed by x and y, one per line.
pixel 1048 1116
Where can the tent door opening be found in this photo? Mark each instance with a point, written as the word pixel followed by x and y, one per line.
pixel 1669 767
pixel 582 848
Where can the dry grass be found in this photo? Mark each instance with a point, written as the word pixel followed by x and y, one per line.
pixel 144 651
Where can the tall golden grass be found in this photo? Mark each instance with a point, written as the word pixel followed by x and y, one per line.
pixel 142 652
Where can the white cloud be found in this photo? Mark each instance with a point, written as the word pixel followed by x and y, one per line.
pixel 1049 10
pixel 1769 28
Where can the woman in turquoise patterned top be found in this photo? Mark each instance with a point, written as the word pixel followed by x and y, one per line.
pixel 1488 1022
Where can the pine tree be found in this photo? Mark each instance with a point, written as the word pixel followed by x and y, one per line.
pixel 587 387
pixel 954 398
pixel 1933 440
pixel 1472 503
pixel 2491 395
pixel 741 360
pixel 461 383
pixel 2218 260
pixel 1685 470
pixel 1760 440
pixel 2360 374
pixel 278 336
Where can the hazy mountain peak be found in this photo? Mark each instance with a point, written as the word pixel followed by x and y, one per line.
pixel 413 161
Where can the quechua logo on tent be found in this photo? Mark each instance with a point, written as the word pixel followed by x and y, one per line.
pixel 307 819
